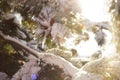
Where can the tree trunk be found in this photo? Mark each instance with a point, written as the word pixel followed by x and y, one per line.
pixel 115 21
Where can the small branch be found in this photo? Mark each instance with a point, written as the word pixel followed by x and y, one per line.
pixel 14 41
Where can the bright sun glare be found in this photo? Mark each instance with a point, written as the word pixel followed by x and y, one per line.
pixel 94 10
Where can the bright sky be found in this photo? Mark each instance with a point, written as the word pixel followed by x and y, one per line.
pixel 94 10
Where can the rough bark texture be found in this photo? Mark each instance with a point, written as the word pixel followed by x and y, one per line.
pixel 67 67
pixel 115 22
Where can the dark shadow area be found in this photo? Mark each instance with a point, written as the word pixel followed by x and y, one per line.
pixel 52 72
pixel 10 63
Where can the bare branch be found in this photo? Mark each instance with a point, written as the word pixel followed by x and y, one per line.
pixel 14 41
pixel 47 57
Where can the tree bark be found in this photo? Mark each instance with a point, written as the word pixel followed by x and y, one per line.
pixel 115 22
pixel 67 67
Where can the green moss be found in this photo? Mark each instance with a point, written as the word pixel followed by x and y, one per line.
pixel 8 48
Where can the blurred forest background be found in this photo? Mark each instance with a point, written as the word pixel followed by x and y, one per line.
pixel 57 27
